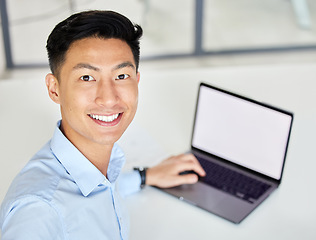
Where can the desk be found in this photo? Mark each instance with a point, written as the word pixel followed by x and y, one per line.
pixel 164 122
pixel 167 102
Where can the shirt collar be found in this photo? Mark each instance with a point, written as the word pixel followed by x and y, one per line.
pixel 84 173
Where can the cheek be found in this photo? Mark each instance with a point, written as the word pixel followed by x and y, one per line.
pixel 133 97
pixel 129 94
pixel 75 101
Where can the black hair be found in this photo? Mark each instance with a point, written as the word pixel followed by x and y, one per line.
pixel 96 23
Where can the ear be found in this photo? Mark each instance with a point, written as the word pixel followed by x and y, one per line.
pixel 138 77
pixel 52 85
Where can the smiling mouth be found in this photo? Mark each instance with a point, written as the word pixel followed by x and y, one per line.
pixel 103 118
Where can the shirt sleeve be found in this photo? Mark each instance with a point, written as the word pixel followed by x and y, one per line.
pixel 129 183
pixel 32 218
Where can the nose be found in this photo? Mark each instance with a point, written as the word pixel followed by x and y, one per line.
pixel 106 94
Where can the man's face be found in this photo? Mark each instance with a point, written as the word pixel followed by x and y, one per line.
pixel 97 91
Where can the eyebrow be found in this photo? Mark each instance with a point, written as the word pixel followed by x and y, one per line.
pixel 124 65
pixel 87 66
pixel 117 67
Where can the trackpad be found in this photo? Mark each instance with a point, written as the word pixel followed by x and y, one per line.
pixel 198 194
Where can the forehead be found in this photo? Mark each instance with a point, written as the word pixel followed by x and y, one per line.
pixel 99 52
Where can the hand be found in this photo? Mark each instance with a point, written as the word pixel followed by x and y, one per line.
pixel 167 173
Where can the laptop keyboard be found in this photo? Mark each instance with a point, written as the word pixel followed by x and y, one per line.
pixel 232 182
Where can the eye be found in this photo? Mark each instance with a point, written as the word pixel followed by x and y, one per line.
pixel 122 76
pixel 87 78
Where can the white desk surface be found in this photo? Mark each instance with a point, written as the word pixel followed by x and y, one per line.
pixel 167 103
pixel 163 126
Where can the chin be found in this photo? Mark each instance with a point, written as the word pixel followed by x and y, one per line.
pixel 108 140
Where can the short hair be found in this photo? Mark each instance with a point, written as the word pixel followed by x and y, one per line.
pixel 96 23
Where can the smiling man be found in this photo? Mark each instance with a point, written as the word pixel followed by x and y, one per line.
pixel 97 90
pixel 68 189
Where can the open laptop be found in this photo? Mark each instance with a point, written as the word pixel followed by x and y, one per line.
pixel 242 145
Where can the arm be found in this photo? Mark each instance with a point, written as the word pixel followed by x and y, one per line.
pixel 164 175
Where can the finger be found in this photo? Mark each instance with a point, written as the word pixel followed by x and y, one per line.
pixel 197 166
pixel 187 179
pixel 191 165
pixel 198 169
pixel 186 157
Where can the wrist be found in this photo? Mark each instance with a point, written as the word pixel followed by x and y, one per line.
pixel 150 177
pixel 143 175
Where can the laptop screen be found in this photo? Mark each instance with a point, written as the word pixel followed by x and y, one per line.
pixel 241 131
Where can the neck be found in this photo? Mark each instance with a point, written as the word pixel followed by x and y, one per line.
pixel 98 154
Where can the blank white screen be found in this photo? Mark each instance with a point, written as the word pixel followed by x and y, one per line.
pixel 241 131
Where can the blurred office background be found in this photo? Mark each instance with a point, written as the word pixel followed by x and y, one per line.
pixel 264 49
pixel 223 29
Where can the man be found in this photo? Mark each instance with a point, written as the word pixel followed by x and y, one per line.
pixel 67 190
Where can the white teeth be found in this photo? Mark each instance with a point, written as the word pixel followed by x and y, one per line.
pixel 105 118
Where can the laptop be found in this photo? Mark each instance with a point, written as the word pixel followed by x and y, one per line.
pixel 242 146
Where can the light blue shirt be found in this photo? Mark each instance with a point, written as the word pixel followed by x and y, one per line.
pixel 60 194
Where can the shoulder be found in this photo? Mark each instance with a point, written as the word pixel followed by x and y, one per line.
pixel 28 206
pixel 38 180
pixel 31 217
pixel 39 177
